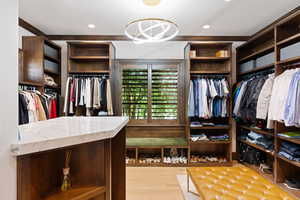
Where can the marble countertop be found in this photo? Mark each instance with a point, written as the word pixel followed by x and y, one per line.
pixel 65 131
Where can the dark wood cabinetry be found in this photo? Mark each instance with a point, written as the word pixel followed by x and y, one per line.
pixel 90 57
pixel 274 42
pixel 97 172
pixel 40 57
pixel 202 59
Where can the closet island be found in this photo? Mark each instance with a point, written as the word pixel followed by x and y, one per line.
pixel 91 148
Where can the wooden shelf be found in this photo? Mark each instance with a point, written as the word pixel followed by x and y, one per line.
pixel 89 57
pixel 270 177
pixel 266 50
pixel 50 72
pixel 90 72
pixel 209 72
pixel 288 41
pixel 157 147
pixel 212 142
pixel 256 130
pixel 296 141
pixel 31 83
pixel 52 87
pixel 84 193
pixel 51 59
pixel 156 165
pixel 297 164
pixel 258 69
pixel 210 58
pixel 257 147
pixel 210 127
pixel 289 61
pixel 52 44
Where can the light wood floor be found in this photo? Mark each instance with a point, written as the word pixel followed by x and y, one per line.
pixel 156 183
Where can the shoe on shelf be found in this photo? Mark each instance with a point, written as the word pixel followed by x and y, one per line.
pixel 292 184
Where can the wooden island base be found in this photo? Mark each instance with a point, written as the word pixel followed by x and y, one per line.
pixel 97 172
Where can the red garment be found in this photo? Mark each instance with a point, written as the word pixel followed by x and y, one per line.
pixel 72 92
pixel 53 111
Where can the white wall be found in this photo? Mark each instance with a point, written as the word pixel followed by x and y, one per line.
pixel 165 50
pixel 9 99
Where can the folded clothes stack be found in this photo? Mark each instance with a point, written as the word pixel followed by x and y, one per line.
pixel 207 159
pixel 290 151
pixel 196 124
pixel 261 140
pixel 203 137
pixel 201 124
pixel 223 137
pixel 292 135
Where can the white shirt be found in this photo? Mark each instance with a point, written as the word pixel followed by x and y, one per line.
pixel 279 95
pixel 264 97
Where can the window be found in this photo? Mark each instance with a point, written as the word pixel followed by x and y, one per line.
pixel 150 92
pixel 164 93
pixel 135 93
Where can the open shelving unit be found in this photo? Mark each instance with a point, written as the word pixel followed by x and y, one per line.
pixel 201 59
pixel 282 38
pixel 43 57
pixel 90 59
pixel 37 58
pixel 136 153
pixel 84 193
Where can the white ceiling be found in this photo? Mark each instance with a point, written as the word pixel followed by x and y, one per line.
pixel 71 17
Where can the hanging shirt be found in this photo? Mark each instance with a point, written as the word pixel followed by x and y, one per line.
pixel 96 96
pixel 110 110
pixel 191 103
pixel 67 95
pixel 291 112
pixel 264 98
pixel 279 95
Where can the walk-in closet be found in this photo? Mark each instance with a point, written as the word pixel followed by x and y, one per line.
pixel 150 100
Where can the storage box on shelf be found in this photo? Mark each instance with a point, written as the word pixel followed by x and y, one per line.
pixel 209 58
pixel 256 54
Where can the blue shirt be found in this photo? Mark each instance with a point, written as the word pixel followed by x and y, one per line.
pixel 291 111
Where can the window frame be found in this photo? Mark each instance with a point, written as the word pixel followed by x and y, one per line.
pixel 154 64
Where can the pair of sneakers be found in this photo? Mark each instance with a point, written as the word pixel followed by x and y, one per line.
pixel 175 160
pixel 201 137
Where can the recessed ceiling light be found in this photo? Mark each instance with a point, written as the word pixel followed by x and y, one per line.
pixel 206 26
pixel 151 2
pixel 227 0
pixel 92 26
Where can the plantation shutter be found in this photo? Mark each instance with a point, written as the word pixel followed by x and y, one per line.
pixel 164 95
pixel 150 93
pixel 135 93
